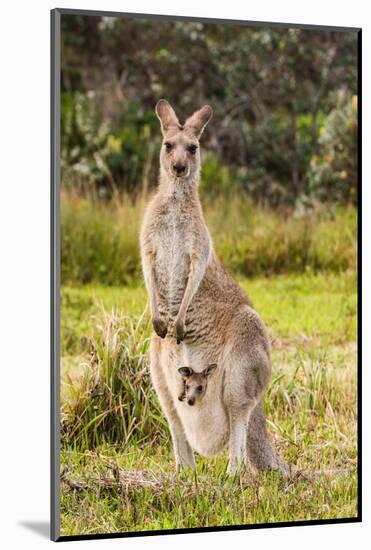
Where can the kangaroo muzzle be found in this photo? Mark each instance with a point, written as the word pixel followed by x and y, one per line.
pixel 179 170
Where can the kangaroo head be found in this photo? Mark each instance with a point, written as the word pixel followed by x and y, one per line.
pixel 195 383
pixel 180 152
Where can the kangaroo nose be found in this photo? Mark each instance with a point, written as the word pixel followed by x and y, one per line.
pixel 191 401
pixel 179 169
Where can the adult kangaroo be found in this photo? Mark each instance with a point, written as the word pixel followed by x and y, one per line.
pixel 200 315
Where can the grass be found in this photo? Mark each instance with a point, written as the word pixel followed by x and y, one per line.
pixel 100 241
pixel 103 502
pixel 293 306
pixel 117 465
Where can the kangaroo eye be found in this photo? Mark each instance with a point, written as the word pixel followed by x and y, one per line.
pixel 168 146
pixel 199 388
pixel 187 387
pixel 192 149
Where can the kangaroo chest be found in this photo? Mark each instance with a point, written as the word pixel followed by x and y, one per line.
pixel 172 244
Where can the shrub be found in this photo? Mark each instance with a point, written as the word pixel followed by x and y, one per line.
pixel 105 156
pixel 333 172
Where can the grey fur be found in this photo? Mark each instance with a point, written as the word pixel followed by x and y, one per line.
pixel 200 315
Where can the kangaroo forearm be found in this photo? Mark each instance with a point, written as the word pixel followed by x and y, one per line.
pixel 196 274
pixel 150 281
pixel 153 293
pixel 159 323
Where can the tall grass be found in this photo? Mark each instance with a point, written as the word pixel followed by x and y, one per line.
pixel 114 401
pixel 100 241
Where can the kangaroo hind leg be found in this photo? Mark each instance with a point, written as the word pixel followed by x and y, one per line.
pixel 247 375
pixel 238 425
pixel 259 448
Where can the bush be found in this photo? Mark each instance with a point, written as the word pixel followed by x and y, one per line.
pixel 110 156
pixel 216 179
pixel 333 173
pixel 107 156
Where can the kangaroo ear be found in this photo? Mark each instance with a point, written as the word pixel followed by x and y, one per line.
pixel 209 369
pixel 199 119
pixel 185 371
pixel 166 114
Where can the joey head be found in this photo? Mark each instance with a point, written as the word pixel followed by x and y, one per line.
pixel 194 383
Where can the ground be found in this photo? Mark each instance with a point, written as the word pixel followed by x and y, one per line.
pixel 311 407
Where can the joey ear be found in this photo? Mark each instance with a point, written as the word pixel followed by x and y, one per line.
pixel 209 369
pixel 199 119
pixel 166 114
pixel 185 372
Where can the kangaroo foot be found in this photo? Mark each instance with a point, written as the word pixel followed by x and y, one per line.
pixel 235 468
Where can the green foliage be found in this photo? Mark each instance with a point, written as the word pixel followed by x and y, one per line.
pixel 270 90
pixel 217 179
pixel 333 174
pixel 99 157
pixel 84 141
pixel 100 242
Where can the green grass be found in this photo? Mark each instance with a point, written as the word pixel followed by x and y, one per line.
pixel 294 306
pixel 310 407
pixel 205 500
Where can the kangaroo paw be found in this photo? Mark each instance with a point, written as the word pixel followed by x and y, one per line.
pixel 179 331
pixel 160 327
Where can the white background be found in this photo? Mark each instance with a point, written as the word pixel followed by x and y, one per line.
pixel 24 268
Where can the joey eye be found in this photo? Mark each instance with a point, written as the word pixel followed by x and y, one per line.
pixel 187 387
pixel 168 146
pixel 199 388
pixel 192 149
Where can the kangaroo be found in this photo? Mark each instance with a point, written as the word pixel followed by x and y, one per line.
pixel 200 314
pixel 194 384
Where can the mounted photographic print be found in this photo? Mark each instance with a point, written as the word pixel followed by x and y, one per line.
pixel 205 194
